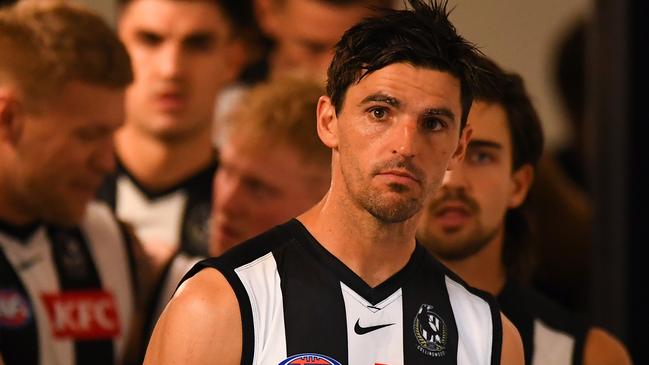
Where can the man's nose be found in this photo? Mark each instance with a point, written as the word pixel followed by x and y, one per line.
pixel 171 61
pixel 456 178
pixel 228 194
pixel 405 137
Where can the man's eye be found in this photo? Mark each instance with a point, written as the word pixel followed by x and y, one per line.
pixel 481 157
pixel 149 38
pixel 378 113
pixel 432 124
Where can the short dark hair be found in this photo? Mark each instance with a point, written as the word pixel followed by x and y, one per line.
pixel 423 37
pixel 239 13
pixel 508 90
pixel 526 135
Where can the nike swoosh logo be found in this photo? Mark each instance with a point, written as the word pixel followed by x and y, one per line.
pixel 363 330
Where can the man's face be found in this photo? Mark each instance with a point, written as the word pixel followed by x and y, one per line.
pixel 65 151
pixel 397 132
pixel 259 187
pixel 306 31
pixel 468 211
pixel 182 54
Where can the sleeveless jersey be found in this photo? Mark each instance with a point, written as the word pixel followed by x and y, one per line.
pixel 177 217
pixel 550 334
pixel 66 294
pixel 300 305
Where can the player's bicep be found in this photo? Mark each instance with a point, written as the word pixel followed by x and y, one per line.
pixel 201 323
pixel 512 349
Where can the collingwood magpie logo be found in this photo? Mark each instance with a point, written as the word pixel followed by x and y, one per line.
pixel 430 331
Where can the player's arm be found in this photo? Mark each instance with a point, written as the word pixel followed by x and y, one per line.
pixel 512 350
pixel 200 325
pixel 603 349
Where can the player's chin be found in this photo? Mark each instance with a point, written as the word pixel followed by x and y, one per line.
pixel 68 215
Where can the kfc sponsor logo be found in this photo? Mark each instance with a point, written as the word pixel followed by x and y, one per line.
pixel 85 315
pixel 14 310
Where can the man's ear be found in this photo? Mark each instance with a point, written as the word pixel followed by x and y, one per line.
pixel 521 182
pixel 327 122
pixel 10 123
pixel 462 145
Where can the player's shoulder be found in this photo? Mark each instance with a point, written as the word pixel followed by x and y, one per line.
pixel 603 348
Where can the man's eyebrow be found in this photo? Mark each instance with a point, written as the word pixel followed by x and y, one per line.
pixel 477 143
pixel 382 98
pixel 435 112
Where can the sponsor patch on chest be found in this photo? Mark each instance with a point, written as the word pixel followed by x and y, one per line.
pixel 83 315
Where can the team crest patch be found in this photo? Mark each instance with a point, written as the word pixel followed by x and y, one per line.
pixel 430 331
pixel 309 359
pixel 14 309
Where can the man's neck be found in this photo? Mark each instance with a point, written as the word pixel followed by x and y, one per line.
pixel 373 250
pixel 485 269
pixel 159 165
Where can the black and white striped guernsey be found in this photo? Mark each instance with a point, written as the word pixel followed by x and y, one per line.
pixel 67 295
pixel 300 303
pixel 177 217
pixel 550 333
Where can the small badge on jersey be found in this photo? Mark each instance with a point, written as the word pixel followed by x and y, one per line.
pixel 14 309
pixel 83 315
pixel 73 258
pixel 309 359
pixel 430 331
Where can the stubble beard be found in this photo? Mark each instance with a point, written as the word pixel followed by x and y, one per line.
pixel 450 246
pixel 388 209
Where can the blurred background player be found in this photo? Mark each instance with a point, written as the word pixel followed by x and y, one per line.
pixel 183 54
pixel 303 32
pixel 296 38
pixel 476 227
pixel 272 168
pixel 69 289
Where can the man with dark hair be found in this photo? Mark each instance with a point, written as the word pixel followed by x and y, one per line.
pixel 304 32
pixel 68 285
pixel 183 53
pixel 476 226
pixel 346 282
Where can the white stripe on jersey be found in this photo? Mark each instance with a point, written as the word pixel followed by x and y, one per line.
pixel 383 345
pixel 158 221
pixel 473 319
pixel 112 261
pixel 262 283
pixel 38 278
pixel 551 346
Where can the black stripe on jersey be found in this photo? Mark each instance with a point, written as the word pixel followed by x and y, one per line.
pixel 319 328
pixel 77 271
pixel 16 337
pixel 431 290
pixel 523 305
pixel 130 241
pixel 194 234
